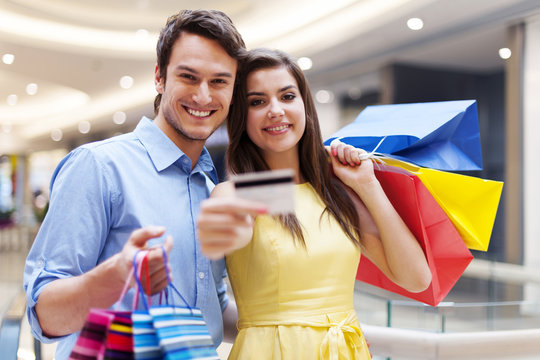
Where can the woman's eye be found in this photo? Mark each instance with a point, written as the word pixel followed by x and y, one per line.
pixel 255 102
pixel 289 97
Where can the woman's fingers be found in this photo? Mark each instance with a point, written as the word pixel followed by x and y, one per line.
pixel 347 154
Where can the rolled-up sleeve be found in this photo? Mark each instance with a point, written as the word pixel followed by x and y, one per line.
pixel 73 233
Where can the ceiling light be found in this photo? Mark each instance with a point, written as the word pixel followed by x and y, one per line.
pixel 56 134
pixel 84 127
pixel 324 96
pixel 8 59
pixel 6 128
pixel 12 99
pixel 31 89
pixel 126 82
pixel 415 23
pixel 505 53
pixel 355 93
pixel 141 34
pixel 119 117
pixel 305 63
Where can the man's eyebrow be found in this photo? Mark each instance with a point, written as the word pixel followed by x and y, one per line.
pixel 191 70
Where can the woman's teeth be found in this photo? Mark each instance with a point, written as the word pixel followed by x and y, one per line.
pixel 277 128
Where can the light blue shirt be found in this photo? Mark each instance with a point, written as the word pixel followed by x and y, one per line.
pixel 100 193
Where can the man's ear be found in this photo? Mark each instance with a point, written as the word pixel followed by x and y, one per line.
pixel 158 80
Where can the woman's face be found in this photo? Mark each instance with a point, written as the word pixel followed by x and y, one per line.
pixel 276 118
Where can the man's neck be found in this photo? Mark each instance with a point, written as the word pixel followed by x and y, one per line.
pixel 192 148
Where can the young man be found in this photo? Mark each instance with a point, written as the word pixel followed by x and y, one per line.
pixel 106 195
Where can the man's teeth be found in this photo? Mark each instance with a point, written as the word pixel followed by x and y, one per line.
pixel 277 128
pixel 198 113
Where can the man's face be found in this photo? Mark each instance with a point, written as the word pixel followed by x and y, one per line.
pixel 197 93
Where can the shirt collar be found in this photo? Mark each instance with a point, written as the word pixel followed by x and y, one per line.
pixel 164 153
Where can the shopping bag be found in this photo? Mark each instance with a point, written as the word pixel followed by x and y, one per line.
pixel 440 135
pixel 106 334
pixel 471 203
pixel 90 343
pixel 179 331
pixel 446 253
pixel 145 341
pixel 119 342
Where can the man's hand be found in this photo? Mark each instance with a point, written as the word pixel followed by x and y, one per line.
pixel 155 266
pixel 63 305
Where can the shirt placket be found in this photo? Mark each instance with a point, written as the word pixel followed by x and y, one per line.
pixel 197 193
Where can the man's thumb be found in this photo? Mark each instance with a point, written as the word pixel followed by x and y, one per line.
pixel 140 236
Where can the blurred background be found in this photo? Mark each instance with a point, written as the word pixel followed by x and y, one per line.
pixel 75 71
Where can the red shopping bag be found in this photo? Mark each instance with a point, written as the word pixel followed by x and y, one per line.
pixel 446 253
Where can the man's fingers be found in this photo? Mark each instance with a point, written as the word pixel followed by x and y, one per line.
pixel 140 236
pixel 168 244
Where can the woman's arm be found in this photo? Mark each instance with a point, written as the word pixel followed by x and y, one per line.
pixel 386 240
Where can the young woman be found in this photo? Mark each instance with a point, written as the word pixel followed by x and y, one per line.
pixel 293 276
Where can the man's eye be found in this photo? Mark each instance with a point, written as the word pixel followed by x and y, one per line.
pixel 187 76
pixel 220 81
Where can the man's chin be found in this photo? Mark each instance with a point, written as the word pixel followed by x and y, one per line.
pixel 195 135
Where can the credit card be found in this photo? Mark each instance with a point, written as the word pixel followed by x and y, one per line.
pixel 274 188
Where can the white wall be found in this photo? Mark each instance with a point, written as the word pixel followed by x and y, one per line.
pixel 531 151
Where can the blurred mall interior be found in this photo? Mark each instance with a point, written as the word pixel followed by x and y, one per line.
pixel 75 71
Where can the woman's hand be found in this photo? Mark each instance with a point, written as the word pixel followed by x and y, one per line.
pixel 350 164
pixel 225 222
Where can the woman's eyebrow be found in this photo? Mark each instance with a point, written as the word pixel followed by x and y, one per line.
pixel 257 93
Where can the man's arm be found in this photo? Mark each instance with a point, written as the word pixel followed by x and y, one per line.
pixel 64 304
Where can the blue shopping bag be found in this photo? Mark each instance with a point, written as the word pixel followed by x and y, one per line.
pixel 171 331
pixel 440 135
pixel 145 341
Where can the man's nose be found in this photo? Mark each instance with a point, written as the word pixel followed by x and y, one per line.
pixel 202 94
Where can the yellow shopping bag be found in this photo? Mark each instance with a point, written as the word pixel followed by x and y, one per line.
pixel 471 203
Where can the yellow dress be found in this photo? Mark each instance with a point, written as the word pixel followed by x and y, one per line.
pixel 294 302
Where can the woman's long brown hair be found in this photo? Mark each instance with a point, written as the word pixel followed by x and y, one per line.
pixel 244 156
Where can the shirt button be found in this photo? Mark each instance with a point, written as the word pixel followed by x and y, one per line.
pixel 201 275
pixel 40 263
pixel 185 160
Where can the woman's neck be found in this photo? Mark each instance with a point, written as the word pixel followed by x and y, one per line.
pixel 289 160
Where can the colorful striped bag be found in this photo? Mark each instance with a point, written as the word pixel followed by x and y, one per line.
pixel 180 330
pixel 145 342
pixel 106 334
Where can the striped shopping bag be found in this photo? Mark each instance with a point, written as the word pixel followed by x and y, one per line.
pixel 90 344
pixel 170 331
pixel 182 333
pixel 145 342
pixel 106 334
pixel 119 342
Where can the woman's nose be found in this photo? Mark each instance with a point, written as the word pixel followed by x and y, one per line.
pixel 275 110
